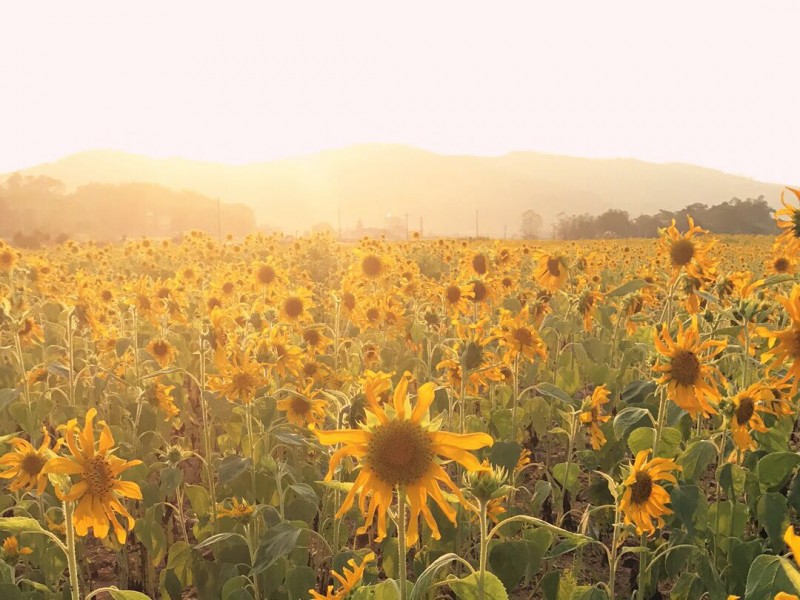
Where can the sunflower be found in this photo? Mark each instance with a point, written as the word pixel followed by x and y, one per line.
pixel 691 382
pixel 398 448
pixel 747 406
pixel 240 511
pixel 519 337
pixel 30 332
pixel 643 499
pixel 685 251
pixel 793 541
pixel 788 219
pixel 8 259
pixel 295 306
pixel 456 298
pixel 788 349
pixel 349 579
pixel 239 376
pixel 24 464
pixel 593 416
pixel 587 305
pixel 12 550
pixel 551 272
pixel 160 396
pixel 161 350
pixel 303 408
pixel 99 491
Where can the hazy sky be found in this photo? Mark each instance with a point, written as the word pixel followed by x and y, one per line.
pixel 707 82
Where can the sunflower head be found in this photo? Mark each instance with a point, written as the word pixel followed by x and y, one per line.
pixel 644 499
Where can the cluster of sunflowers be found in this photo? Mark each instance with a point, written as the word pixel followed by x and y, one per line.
pixel 310 419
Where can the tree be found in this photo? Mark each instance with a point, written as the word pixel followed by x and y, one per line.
pixel 531 224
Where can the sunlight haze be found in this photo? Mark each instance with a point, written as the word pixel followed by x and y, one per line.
pixel 706 83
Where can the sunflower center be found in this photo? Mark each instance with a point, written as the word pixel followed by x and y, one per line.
pixel 685 367
pixel 161 349
pixel 796 223
pixel 32 463
pixel 266 275
pixel 400 453
pixel 479 290
pixel 310 369
pixel 300 405
pixel 349 300
pixel 524 336
pixel 371 266
pixel 479 264
pixel 781 265
pixel 794 345
pixel 242 381
pixel 293 307
pixel 641 488
pixel 227 287
pixel 554 267
pixel 681 252
pixel 107 295
pixel 311 336
pixel 745 410
pixel 373 314
pixel 99 475
pixel 453 294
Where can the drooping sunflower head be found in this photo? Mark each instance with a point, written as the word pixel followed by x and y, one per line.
pixel 24 465
pixel 644 499
pixel 551 271
pixel 788 218
pixel 162 351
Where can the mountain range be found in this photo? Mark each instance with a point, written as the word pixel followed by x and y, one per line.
pixel 363 184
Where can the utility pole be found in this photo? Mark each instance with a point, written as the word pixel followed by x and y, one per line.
pixel 406 225
pixel 476 224
pixel 420 228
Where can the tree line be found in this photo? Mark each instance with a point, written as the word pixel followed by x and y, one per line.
pixel 37 210
pixel 753 216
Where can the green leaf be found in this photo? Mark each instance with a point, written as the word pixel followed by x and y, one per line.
pixel 690 506
pixel 769 575
pixel 509 561
pixel 627 418
pixel 772 512
pixel 425 580
pixel 299 580
pixel 236 589
pixel 569 482
pixel 588 592
pixel 277 543
pixel 696 458
pixel 732 479
pixel 627 288
pixel 505 454
pixel 775 469
pixel 231 467
pixel 553 391
pixel 20 525
pixel 467 587
pixel 127 595
pixel 217 538
pixel 642 438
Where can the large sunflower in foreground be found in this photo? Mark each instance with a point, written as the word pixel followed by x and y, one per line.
pixel 691 382
pixel 99 491
pixel 644 499
pixel 399 448
pixel 788 348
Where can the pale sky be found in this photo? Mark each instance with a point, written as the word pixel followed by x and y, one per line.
pixel 708 82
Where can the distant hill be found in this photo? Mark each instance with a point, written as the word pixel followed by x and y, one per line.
pixel 365 182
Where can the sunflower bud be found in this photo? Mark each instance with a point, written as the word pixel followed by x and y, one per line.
pixel 487 485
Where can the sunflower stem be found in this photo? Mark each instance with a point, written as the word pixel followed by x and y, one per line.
pixel 515 400
pixel 401 540
pixel 484 549
pixel 72 561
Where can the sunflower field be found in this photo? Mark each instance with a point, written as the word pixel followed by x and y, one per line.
pixel 288 419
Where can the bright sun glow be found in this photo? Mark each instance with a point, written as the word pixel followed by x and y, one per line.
pixel 700 82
